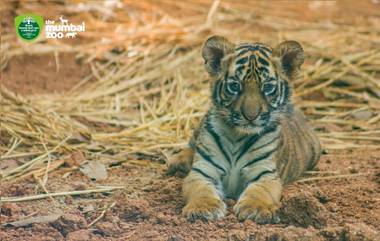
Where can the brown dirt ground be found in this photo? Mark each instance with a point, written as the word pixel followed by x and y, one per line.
pixel 150 207
pixel 46 76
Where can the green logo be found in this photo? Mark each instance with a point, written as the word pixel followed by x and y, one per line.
pixel 29 26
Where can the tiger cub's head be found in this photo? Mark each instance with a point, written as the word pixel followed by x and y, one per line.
pixel 250 81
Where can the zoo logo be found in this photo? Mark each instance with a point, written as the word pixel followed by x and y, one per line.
pixel 64 29
pixel 29 26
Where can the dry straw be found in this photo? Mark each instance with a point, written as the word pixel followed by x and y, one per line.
pixel 148 88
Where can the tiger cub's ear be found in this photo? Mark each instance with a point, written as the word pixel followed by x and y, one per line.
pixel 289 56
pixel 213 51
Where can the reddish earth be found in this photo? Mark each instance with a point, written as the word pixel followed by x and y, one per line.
pixel 48 75
pixel 150 206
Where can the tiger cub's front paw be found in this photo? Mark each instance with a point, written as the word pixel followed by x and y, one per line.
pixel 257 209
pixel 204 208
pixel 180 162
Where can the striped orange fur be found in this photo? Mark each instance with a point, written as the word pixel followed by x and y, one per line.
pixel 252 140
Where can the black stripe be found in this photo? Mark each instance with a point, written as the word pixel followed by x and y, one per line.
pixel 221 88
pixel 247 145
pixel 222 95
pixel 286 92
pixel 260 158
pixel 265 53
pixel 215 93
pixel 255 179
pixel 244 46
pixel 253 139
pixel 207 158
pixel 244 51
pixel 216 137
pixel 204 174
pixel 279 94
pixel 241 139
pixel 239 70
pixel 242 61
pixel 266 143
pixel 261 46
pixel 247 75
pixel 262 69
pixel 252 57
pixel 263 61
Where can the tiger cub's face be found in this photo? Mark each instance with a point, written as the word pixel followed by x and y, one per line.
pixel 250 87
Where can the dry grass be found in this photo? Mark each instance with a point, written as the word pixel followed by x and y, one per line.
pixel 49 195
pixel 148 88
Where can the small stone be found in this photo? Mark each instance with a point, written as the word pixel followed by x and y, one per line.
pixel 174 238
pixel 160 219
pixel 333 208
pixel 70 222
pixel 352 170
pixel 69 200
pixel 322 197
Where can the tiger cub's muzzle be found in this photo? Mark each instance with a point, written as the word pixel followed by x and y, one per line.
pixel 241 119
pixel 251 110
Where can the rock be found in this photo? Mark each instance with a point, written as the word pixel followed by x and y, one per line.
pixel 70 222
pixel 94 170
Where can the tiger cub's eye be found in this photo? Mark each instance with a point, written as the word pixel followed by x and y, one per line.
pixel 233 87
pixel 269 88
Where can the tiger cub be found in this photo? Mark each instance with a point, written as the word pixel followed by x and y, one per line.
pixel 252 140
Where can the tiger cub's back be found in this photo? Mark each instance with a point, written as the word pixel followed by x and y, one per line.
pixel 299 148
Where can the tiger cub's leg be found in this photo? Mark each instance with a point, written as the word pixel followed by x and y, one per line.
pixel 260 200
pixel 181 162
pixel 202 193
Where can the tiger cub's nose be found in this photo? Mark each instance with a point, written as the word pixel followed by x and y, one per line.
pixel 250 112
